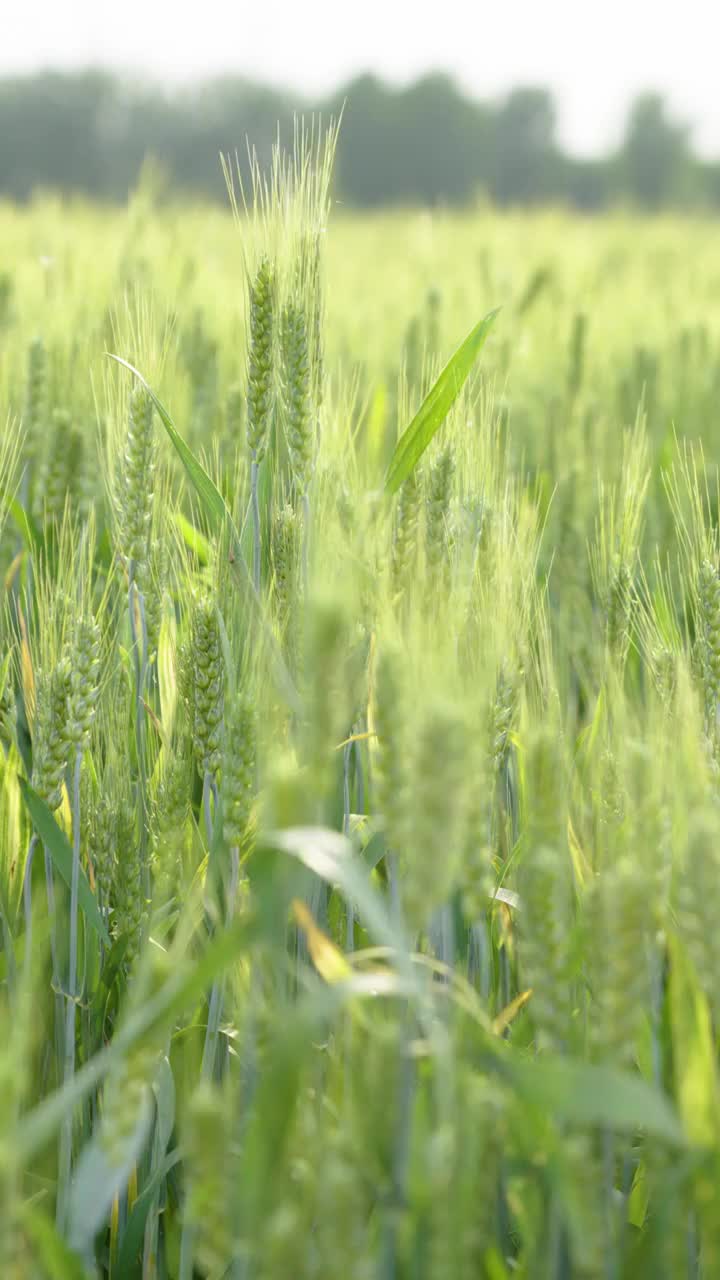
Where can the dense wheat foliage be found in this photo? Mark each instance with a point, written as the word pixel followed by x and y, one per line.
pixel 359 823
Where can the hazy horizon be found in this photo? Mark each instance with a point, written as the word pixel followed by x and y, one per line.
pixel 594 62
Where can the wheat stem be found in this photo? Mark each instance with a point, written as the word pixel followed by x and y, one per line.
pixel 65 1158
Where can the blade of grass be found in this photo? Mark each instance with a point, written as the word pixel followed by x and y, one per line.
pixel 436 405
pixel 331 856
pixel 590 1094
pixel 100 1175
pixel 25 524
pixel 696 1076
pixel 193 538
pixel 126 1266
pixel 60 850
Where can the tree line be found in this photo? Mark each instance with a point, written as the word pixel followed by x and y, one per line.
pixel 90 133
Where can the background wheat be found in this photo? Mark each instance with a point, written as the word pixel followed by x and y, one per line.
pixel 358 824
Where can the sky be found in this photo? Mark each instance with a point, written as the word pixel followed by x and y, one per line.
pixel 594 56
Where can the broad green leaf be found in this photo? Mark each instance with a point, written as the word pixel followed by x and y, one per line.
pixel 589 1094
pixel 194 540
pixel 24 523
pixel 164 1090
pixel 132 1237
pixel 111 969
pixel 374 851
pixel 436 405
pixel 59 848
pixel 639 1197
pixel 13 835
pixel 42 930
pixel 696 1078
pixel 495 1268
pixel 101 1174
pixel 331 856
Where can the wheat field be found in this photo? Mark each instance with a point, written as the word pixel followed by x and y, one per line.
pixel 360 752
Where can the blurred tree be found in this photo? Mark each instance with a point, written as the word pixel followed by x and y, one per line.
pixel 49 135
pixel 426 143
pixel 525 165
pixel 710 181
pixel 585 184
pixel 655 163
pixel 366 166
pixel 445 141
pixel 423 144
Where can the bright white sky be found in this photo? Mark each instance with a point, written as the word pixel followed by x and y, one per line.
pixel 594 56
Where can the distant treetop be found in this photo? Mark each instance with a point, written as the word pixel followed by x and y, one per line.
pixel 90 133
